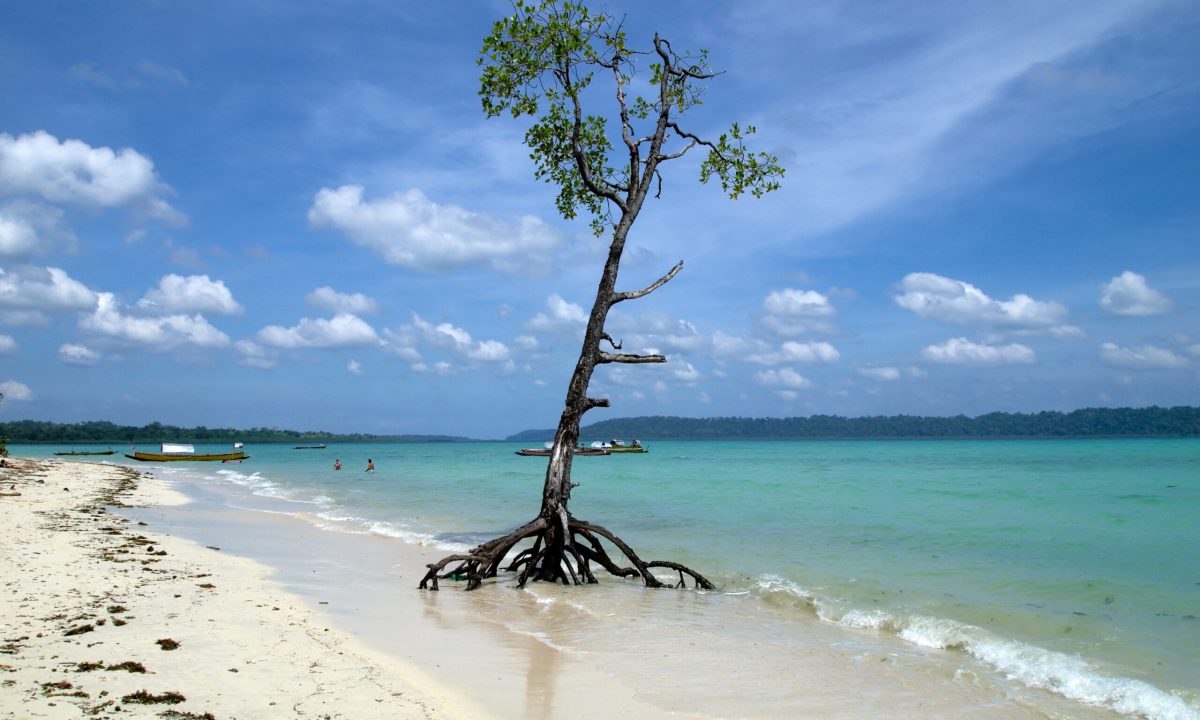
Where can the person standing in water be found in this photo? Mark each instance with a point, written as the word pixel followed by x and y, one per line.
pixel 370 465
pixel 337 464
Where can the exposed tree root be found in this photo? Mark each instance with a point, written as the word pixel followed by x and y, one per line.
pixel 554 556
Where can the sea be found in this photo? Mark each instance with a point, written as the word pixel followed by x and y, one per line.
pixel 1061 575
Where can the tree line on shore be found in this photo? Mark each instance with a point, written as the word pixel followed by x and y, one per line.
pixel 1182 421
pixel 36 432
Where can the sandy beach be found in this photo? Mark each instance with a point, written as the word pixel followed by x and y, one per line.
pixel 101 616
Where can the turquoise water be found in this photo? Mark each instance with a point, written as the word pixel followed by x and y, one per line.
pixel 1071 566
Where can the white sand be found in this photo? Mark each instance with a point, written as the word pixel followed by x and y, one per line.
pixel 247 649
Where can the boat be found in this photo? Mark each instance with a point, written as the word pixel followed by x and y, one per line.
pixel 86 452
pixel 169 452
pixel 545 451
pixel 621 447
pixel 310 447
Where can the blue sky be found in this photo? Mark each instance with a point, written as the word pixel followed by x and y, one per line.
pixel 296 215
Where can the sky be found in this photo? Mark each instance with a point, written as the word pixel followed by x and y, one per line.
pixel 296 215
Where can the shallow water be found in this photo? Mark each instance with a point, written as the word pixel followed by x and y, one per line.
pixel 1054 575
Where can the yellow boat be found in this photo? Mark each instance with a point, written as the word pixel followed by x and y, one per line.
pixel 170 452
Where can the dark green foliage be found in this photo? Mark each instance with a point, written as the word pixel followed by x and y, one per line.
pixel 24 432
pixel 1153 421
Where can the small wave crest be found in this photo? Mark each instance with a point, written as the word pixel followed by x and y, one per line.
pixel 1032 666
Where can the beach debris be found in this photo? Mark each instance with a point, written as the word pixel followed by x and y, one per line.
pixel 167 643
pixel 81 629
pixel 142 697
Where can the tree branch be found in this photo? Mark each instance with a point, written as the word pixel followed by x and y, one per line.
pixel 635 294
pixel 629 358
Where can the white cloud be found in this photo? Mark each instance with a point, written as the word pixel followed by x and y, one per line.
pixel 254 355
pixel 1146 357
pixel 792 351
pixel 1128 294
pixel 75 173
pixel 326 298
pixel 410 230
pixel 159 332
pixel 13 390
pixel 880 373
pixel 559 315
pixel 792 312
pixel 405 340
pixel 785 379
pixel 342 330
pixel 29 228
pixel 526 343
pixel 32 292
pixel 354 368
pixel 194 293
pixel 961 351
pixel 7 344
pixel 686 373
pixel 935 99
pixel 732 346
pixel 961 303
pixel 78 355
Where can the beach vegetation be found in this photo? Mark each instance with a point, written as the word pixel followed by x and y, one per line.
pixel 603 137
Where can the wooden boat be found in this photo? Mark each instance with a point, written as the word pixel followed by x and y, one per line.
pixel 310 447
pixel 87 452
pixel 619 447
pixel 170 452
pixel 545 451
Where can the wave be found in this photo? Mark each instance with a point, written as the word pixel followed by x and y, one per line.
pixel 1067 675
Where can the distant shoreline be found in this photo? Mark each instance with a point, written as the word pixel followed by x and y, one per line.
pixel 1094 423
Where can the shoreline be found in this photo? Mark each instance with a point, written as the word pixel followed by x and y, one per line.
pixel 105 616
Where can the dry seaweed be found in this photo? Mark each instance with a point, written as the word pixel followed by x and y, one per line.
pixel 141 697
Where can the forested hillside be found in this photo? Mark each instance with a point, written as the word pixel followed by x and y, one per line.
pixel 1089 422
pixel 36 431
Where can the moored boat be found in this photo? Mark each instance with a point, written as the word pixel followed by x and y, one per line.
pixel 170 452
pixel 310 447
pixel 86 452
pixel 545 451
pixel 620 447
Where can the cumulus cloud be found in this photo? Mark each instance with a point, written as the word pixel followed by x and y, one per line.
pixel 410 230
pixel 792 351
pixel 13 390
pixel 72 172
pixel 459 341
pixel 159 332
pixel 78 355
pixel 1144 357
pixel 28 294
pixel 961 351
pixel 1128 294
pixel 880 373
pixel 784 381
pixel 657 329
pixel 354 368
pixel 326 298
pixel 254 355
pixel 342 330
pixel 194 293
pixel 961 303
pixel 30 228
pixel 789 312
pixel 685 373
pixel 7 344
pixel 558 315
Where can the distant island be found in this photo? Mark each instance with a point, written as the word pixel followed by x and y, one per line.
pixel 1181 421
pixel 36 432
